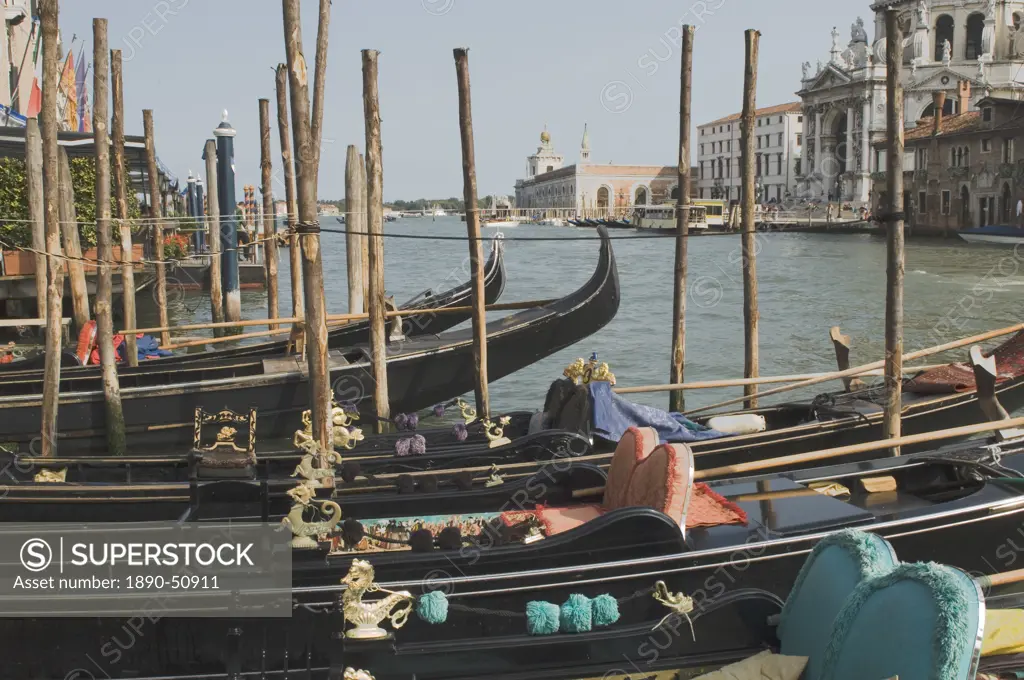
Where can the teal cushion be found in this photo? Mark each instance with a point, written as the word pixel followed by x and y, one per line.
pixel 918 622
pixel 836 566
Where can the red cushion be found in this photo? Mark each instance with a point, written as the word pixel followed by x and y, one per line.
pixel 634 446
pixel 556 520
pixel 663 481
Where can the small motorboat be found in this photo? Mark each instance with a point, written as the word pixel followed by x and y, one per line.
pixel 994 234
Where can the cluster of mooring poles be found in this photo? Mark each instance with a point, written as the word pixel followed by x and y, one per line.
pixel 893 363
pixel 52 211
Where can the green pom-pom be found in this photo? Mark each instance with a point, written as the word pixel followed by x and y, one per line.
pixel 605 609
pixel 541 618
pixel 432 607
pixel 576 614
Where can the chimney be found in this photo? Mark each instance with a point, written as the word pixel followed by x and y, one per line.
pixel 938 102
pixel 964 90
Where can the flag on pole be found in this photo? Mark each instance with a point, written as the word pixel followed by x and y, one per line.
pixel 35 100
pixel 67 98
pixel 84 119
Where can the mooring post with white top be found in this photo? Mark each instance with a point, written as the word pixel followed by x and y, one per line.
pixel 225 135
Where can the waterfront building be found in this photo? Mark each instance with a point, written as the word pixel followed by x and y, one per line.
pixel 778 142
pixel 590 188
pixel 18 39
pixel 971 48
pixel 969 169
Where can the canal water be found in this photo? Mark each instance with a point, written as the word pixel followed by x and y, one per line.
pixel 807 283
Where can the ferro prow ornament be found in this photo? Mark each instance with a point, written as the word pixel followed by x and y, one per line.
pixel 366 616
pixel 224 457
pixel 344 434
pixel 303 531
pixel 583 372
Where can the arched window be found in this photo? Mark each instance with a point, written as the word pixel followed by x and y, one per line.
pixel 965 208
pixel 674 195
pixel 641 196
pixel 967 156
pixel 975 27
pixel 952 157
pixel 603 198
pixel 943 32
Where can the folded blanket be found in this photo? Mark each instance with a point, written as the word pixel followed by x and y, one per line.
pixel 613 415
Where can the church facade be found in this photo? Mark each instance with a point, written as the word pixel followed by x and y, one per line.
pixel 590 189
pixel 966 49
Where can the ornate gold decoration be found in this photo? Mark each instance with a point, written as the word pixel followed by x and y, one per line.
pixel 304 497
pixel 353 674
pixel 582 372
pixel 320 477
pixel 51 476
pixel 225 438
pixel 468 412
pixel 344 436
pixel 678 602
pixel 366 616
pixel 495 478
pixel 496 431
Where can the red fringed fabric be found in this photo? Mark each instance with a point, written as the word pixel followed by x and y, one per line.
pixel 959 377
pixel 709 509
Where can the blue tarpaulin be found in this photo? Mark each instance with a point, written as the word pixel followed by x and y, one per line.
pixel 613 415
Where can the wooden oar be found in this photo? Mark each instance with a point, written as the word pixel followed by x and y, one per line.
pixel 825 454
pixel 1000 579
pixel 526 304
pixel 858 370
pixel 738 382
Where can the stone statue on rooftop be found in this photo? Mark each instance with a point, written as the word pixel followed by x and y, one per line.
pixel 857 32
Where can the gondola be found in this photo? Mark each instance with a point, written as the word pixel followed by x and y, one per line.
pixel 159 407
pixel 550 583
pixel 30 368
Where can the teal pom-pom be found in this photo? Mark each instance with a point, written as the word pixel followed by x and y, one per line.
pixel 605 609
pixel 541 618
pixel 576 614
pixel 432 607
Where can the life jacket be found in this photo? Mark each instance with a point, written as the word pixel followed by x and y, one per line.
pixel 94 356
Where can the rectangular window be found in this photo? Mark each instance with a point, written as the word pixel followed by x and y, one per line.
pixel 986 113
pixel 780 139
pixel 759 141
pixel 945 202
pixel 799 139
pixel 799 119
pixel 701 149
pixel 758 166
pixel 922 202
pixel 986 145
pixel 1008 150
pixel 758 122
pixel 779 160
pixel 702 169
pixel 728 145
pixel 796 166
pixel 702 192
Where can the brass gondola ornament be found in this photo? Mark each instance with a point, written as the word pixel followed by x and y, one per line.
pixel 303 532
pixel 320 477
pixel 354 674
pixel 468 412
pixel 679 604
pixel 583 372
pixel 496 431
pixel 344 435
pixel 494 478
pixel 51 476
pixel 367 616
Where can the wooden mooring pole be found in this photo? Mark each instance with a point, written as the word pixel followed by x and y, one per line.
pixel 677 399
pixel 105 252
pixel 355 225
pixel 48 19
pixel 365 239
pixel 72 243
pixel 294 256
pixel 308 227
pixel 213 233
pixel 751 316
pixel 156 213
pixel 894 241
pixel 120 184
pixel 375 238
pixel 36 208
pixel 269 227
pixel 476 260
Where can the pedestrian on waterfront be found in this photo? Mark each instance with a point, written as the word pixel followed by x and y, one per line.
pixel 828 213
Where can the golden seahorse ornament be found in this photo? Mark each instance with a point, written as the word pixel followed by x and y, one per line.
pixel 366 616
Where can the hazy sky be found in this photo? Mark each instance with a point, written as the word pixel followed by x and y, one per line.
pixel 612 64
